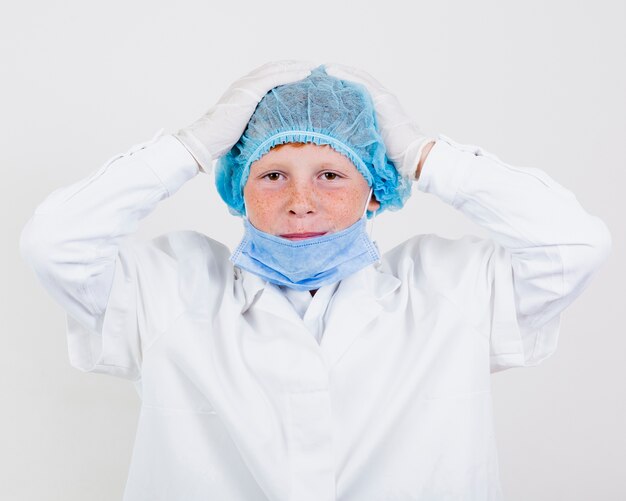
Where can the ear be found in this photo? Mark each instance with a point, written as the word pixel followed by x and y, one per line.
pixel 373 204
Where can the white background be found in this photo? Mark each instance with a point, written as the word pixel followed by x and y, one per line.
pixel 539 84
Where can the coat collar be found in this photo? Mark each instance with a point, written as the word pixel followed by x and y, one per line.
pixel 355 303
pixel 370 281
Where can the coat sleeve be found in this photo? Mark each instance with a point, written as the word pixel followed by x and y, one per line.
pixel 544 251
pixel 79 247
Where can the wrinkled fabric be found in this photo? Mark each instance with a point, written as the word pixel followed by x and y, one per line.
pixel 239 400
pixel 319 109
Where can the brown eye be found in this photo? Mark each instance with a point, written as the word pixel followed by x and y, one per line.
pixel 273 176
pixel 330 176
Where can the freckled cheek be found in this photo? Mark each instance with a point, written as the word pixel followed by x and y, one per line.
pixel 344 208
pixel 262 205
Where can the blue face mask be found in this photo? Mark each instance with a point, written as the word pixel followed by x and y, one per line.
pixel 306 264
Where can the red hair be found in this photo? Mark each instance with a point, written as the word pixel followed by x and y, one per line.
pixel 295 145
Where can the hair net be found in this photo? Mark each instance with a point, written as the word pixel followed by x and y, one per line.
pixel 319 109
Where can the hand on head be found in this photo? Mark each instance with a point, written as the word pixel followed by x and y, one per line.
pixel 213 134
pixel 403 137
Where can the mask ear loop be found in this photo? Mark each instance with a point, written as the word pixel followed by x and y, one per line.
pixel 245 210
pixel 369 198
pixel 373 220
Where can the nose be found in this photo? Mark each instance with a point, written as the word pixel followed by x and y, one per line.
pixel 301 200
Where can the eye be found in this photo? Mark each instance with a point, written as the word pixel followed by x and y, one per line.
pixel 272 176
pixel 330 176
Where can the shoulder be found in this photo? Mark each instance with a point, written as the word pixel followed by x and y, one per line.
pixel 189 245
pixel 185 262
pixel 442 262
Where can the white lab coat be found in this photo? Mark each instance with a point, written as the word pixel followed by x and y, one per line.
pixel 378 390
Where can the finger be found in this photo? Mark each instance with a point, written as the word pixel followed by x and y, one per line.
pixel 263 79
pixel 257 87
pixel 343 72
pixel 388 109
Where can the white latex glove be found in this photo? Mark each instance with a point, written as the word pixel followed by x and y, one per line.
pixel 402 136
pixel 215 133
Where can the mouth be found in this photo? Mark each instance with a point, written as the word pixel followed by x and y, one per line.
pixel 301 236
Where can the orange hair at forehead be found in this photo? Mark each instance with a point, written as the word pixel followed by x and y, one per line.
pixel 295 145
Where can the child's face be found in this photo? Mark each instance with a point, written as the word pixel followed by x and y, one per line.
pixel 310 189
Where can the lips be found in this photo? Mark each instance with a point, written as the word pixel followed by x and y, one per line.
pixel 298 236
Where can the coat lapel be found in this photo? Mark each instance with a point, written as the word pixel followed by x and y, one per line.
pixel 355 304
pixel 261 295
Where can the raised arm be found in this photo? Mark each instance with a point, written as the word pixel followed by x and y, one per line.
pixel 73 240
pixel 552 244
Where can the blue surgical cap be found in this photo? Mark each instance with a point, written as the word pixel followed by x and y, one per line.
pixel 319 109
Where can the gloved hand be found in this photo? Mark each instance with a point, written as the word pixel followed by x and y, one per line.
pixel 403 138
pixel 215 133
